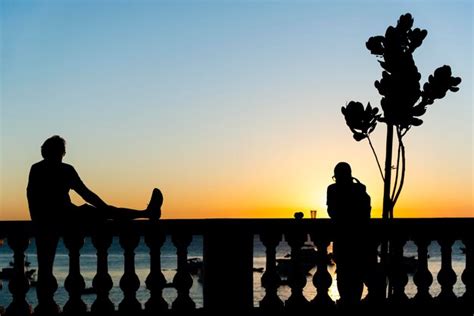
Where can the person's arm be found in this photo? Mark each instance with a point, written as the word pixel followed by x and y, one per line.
pixel 88 196
pixel 31 194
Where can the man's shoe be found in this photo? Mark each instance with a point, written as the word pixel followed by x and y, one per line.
pixel 154 207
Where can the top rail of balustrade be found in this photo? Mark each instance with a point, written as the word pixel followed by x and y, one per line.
pixel 406 228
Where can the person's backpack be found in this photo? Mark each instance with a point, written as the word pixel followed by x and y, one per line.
pixel 362 200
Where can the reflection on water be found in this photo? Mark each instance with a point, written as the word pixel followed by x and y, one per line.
pixel 168 257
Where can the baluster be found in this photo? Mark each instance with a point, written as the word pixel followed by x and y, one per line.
pixel 46 244
pixel 1 283
pixel 155 281
pixel 322 279
pixel 423 277
pixel 129 282
pixel 74 282
pixel 182 280
pixel 446 276
pixel 398 272
pixel 270 278
pixel 102 282
pixel 19 283
pixel 468 274
pixel 297 275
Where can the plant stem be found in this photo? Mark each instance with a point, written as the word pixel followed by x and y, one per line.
pixel 376 157
pixel 387 202
pixel 397 169
pixel 402 180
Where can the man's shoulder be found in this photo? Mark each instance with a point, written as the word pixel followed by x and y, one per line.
pixel 44 165
pixel 68 169
pixel 66 166
pixel 38 164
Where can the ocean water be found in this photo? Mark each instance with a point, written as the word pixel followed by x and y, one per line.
pixel 169 264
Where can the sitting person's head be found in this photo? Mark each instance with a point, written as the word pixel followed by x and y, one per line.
pixel 54 148
pixel 343 173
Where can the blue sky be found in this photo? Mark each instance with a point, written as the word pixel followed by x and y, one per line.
pixel 222 103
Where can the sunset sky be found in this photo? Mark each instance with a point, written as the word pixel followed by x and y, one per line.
pixel 231 108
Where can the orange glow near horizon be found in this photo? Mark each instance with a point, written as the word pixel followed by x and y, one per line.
pixel 266 202
pixel 261 188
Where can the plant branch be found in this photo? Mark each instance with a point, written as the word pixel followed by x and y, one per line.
pixel 405 131
pixel 402 180
pixel 397 169
pixel 376 157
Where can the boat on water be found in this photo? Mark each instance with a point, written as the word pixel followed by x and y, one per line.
pixel 410 264
pixel 88 291
pixel 194 266
pixel 309 258
pixel 8 272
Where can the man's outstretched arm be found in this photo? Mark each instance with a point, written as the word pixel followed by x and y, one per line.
pixel 89 196
pixel 84 192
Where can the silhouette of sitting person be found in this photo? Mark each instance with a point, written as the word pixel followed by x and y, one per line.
pixel 349 206
pixel 50 181
pixel 52 211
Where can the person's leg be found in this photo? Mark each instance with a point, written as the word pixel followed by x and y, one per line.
pixel 343 281
pixel 349 285
pixel 349 267
pixel 46 243
pixel 120 213
pixel 153 209
pixel 46 250
pixel 123 213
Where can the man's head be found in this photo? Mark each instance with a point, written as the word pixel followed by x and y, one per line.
pixel 343 172
pixel 54 148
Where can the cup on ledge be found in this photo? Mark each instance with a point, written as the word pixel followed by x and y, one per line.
pixel 313 214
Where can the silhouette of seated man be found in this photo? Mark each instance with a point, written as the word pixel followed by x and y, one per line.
pixel 52 211
pixel 349 206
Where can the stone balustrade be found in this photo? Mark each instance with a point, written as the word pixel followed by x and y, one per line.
pixel 228 262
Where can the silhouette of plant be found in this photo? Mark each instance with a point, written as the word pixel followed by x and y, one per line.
pixel 403 102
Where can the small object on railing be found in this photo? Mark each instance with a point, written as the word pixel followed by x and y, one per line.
pixel 298 215
pixel 313 214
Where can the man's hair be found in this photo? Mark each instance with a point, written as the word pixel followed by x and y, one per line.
pixel 53 147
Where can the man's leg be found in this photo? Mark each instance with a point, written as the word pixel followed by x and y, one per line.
pixel 46 243
pixel 120 213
